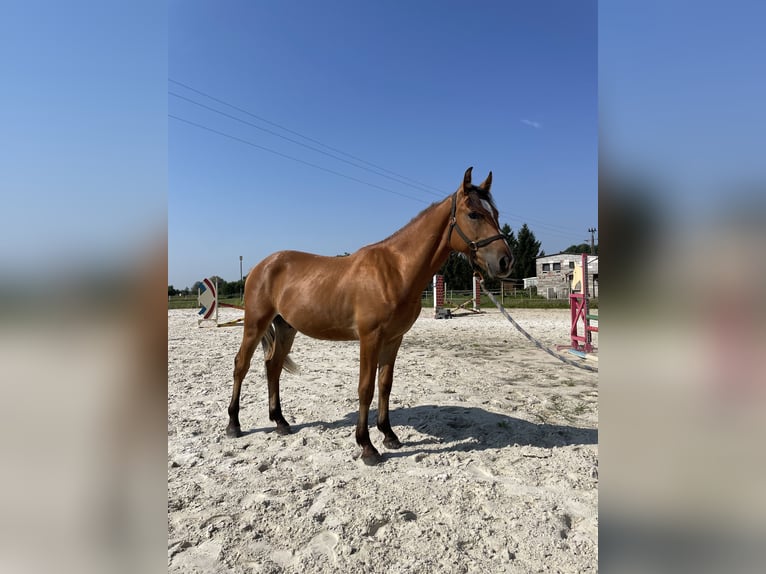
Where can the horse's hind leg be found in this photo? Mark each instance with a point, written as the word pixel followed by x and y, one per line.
pixel 284 335
pixel 253 332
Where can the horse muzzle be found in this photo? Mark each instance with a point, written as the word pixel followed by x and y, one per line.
pixel 498 266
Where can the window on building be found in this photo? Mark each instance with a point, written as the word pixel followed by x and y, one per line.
pixel 557 266
pixel 571 264
pixel 546 266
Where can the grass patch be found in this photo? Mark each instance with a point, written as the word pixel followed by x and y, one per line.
pixel 191 302
pixel 509 303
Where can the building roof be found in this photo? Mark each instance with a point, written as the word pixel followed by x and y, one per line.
pixel 567 256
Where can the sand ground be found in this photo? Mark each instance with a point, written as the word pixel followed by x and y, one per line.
pixel 498 472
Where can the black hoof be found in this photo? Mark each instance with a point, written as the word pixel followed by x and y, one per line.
pixel 284 429
pixel 392 443
pixel 233 431
pixel 371 457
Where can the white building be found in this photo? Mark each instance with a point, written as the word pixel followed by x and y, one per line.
pixel 554 275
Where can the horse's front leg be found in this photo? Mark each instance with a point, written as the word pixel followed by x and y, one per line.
pixel 369 348
pixel 385 381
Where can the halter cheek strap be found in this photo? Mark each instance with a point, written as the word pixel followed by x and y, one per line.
pixel 473 246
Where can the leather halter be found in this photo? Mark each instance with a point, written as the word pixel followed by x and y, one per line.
pixel 473 246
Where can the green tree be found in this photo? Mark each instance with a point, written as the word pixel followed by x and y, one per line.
pixel 509 236
pixel 221 283
pixel 172 291
pixel 457 271
pixel 581 248
pixel 231 288
pixel 527 251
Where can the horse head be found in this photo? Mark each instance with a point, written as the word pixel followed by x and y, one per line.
pixel 474 218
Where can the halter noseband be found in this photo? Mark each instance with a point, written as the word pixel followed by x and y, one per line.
pixel 473 246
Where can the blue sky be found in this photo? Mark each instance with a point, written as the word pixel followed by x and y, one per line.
pixel 423 92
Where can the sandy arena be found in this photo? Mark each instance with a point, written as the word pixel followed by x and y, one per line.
pixel 498 472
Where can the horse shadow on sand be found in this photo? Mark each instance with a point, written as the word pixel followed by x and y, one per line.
pixel 459 428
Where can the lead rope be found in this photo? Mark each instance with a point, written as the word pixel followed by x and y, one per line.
pixel 537 343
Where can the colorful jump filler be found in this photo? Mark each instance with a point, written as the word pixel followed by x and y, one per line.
pixel 209 304
pixel 208 300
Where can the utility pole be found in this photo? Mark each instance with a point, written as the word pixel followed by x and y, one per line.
pixel 592 230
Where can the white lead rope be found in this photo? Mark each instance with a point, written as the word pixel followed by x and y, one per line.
pixel 537 343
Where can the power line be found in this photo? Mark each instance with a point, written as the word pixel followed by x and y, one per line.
pixel 550 228
pixel 334 172
pixel 272 132
pixel 244 111
pixel 275 152
pixel 567 232
pixel 558 234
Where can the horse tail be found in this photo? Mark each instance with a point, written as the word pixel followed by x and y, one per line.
pixel 268 343
pixel 290 366
pixel 280 332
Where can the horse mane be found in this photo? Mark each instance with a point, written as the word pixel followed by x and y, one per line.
pixel 481 193
pixel 411 221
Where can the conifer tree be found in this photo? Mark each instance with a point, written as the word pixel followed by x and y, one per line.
pixel 526 252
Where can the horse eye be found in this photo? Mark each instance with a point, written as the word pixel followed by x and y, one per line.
pixel 474 215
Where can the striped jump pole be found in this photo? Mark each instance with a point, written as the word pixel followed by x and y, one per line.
pixel 476 294
pixel 439 291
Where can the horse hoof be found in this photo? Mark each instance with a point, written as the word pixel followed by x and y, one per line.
pixel 392 443
pixel 371 458
pixel 284 429
pixel 233 432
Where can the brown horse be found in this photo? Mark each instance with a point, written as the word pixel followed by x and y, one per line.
pixel 373 296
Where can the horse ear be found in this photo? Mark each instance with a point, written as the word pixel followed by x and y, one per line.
pixel 487 183
pixel 467 179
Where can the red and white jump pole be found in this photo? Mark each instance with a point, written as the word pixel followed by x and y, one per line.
pixel 476 294
pixel 578 305
pixel 439 298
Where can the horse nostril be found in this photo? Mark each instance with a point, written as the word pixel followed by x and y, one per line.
pixel 503 264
